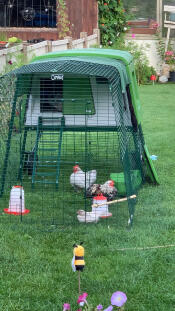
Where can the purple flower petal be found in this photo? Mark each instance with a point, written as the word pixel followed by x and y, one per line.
pixel 118 299
pixel 66 306
pixel 99 307
pixel 109 308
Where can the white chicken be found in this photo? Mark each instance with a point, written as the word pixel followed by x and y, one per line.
pixel 87 216
pixel 80 179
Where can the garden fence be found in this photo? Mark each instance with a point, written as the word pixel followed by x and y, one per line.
pixel 31 50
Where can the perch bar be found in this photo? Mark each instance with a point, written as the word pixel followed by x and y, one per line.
pixel 115 201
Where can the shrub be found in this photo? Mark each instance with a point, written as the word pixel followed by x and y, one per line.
pixel 112 21
pixel 141 62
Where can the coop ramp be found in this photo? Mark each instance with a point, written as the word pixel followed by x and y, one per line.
pixel 46 166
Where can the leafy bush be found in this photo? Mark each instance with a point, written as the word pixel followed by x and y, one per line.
pixel 63 20
pixel 113 25
pixel 14 40
pixel 141 62
pixel 112 20
pixel 142 68
pixel 160 44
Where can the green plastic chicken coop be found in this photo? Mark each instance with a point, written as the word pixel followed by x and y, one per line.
pixel 65 108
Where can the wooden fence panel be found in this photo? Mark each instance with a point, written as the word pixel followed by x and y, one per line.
pixel 83 16
pixel 90 16
pixel 32 50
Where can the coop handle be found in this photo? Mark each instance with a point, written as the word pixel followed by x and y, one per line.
pixel 115 201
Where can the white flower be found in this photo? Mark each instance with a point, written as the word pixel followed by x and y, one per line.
pixel 81 303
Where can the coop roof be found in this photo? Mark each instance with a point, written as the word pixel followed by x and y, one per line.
pixel 124 56
pixel 93 62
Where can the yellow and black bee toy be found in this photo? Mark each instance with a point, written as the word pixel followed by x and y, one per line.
pixel 78 262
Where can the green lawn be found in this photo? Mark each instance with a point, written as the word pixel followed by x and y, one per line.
pixel 36 272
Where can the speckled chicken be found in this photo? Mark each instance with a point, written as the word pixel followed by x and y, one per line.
pixel 107 189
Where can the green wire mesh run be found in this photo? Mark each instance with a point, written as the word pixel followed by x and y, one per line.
pixel 53 121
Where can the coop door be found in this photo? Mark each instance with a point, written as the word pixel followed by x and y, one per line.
pixel 51 95
pixel 78 98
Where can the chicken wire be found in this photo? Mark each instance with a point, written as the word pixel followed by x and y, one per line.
pixel 54 121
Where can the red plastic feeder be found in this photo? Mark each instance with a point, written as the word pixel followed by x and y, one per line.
pixel 8 211
pixel 102 208
pixel 16 202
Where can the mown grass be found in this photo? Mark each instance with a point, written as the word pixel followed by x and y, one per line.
pixel 35 267
pixel 59 207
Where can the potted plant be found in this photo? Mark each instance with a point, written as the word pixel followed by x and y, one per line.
pixel 3 41
pixel 14 41
pixel 3 44
pixel 170 60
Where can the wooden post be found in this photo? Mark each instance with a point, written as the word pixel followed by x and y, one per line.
pixel 57 14
pixel 49 46
pixel 69 45
pixel 24 49
pixel 159 14
pixel 97 31
pixel 83 35
pixel 79 285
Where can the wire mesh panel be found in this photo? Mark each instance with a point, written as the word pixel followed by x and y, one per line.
pixel 70 141
pixel 33 13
